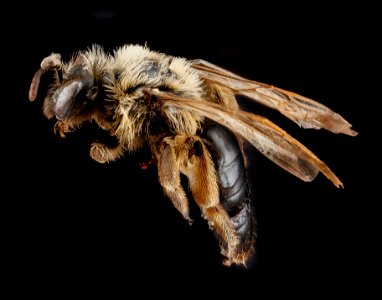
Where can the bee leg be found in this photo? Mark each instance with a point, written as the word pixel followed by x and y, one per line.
pixel 169 178
pixel 199 168
pixel 102 153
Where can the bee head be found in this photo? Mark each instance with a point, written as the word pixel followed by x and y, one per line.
pixel 74 86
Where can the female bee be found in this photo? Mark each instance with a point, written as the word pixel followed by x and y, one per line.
pixel 187 113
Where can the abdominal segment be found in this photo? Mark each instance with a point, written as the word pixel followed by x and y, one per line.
pixel 235 192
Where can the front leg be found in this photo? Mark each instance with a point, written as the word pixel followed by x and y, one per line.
pixel 103 153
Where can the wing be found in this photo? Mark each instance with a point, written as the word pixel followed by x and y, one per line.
pixel 268 138
pixel 306 112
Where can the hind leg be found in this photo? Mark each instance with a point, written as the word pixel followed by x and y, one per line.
pixel 197 165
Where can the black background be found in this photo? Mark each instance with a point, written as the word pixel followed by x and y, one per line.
pixel 70 220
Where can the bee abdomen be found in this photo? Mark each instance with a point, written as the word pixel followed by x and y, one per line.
pixel 236 195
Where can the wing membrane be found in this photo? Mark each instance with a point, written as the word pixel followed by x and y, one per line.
pixel 267 137
pixel 304 111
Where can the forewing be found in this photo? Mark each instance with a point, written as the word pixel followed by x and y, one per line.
pixel 304 111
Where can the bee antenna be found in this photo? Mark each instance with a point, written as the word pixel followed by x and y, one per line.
pixel 48 63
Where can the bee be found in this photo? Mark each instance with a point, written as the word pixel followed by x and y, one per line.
pixel 187 113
